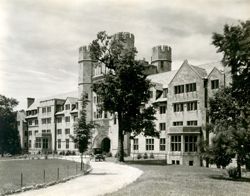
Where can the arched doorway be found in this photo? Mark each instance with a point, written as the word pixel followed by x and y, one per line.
pixel 105 146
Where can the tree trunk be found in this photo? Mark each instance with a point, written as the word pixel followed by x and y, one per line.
pixel 81 162
pixel 120 139
pixel 238 166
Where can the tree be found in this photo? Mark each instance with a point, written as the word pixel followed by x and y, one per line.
pixel 124 87
pixel 231 136
pixel 82 129
pixel 9 136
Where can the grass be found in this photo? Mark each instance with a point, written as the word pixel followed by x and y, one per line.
pixel 33 172
pixel 159 179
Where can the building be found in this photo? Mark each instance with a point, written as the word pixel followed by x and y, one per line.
pixel 180 96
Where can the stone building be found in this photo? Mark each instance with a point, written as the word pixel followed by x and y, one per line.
pixel 180 97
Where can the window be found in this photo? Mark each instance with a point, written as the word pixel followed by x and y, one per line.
pixel 190 143
pixel 177 162
pixel 105 114
pixel 162 126
pixel 45 143
pixel 162 64
pixel 25 133
pixel 76 146
pixel 59 120
pixel 30 133
pixel 44 121
pixel 99 114
pixel 151 95
pixel 136 144
pixel 214 84
pixel 29 143
pixel 75 118
pixel 191 163
pixel 18 123
pixel 44 110
pixel 38 143
pixel 165 92
pixel 178 107
pixel 44 131
pixel 173 162
pixel 175 143
pixel 149 144
pixel 59 131
pixel 48 131
pixel 192 106
pixel 36 122
pixel 48 109
pixel 59 143
pixel 179 89
pixel 36 131
pixel 162 144
pixel 162 109
pixel 67 118
pixel 192 123
pixel 30 122
pixel 67 107
pixel 67 143
pixel 67 131
pixel 190 87
pixel 178 123
pixel 48 120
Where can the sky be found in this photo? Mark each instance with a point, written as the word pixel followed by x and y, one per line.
pixel 40 39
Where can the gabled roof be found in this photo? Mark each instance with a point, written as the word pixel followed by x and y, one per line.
pixel 210 66
pixel 72 99
pixel 200 71
pixel 162 78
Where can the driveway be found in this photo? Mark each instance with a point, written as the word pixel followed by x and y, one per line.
pixel 106 177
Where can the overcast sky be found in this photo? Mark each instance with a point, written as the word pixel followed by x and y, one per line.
pixel 39 39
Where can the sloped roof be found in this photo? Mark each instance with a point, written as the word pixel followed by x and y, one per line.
pixel 202 72
pixel 162 78
pixel 210 66
pixel 72 99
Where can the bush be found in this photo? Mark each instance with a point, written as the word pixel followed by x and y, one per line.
pixel 73 153
pixel 117 154
pixel 139 156
pixel 68 153
pixel 108 154
pixel 232 172
pixel 151 156
pixel 62 153
pixel 145 156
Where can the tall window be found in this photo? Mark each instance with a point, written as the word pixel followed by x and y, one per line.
pixel 45 143
pixel 162 144
pixel 191 105
pixel 48 109
pixel 44 110
pixel 214 84
pixel 165 92
pixel 67 107
pixel 59 120
pixel 59 131
pixel 192 123
pixel 48 120
pixel 38 143
pixel 30 122
pixel 67 131
pixel 179 89
pixel 67 143
pixel 178 107
pixel 191 143
pixel 59 143
pixel 44 121
pixel 29 143
pixel 162 109
pixel 175 143
pixel 36 122
pixel 99 113
pixel 136 144
pixel 149 144
pixel 67 119
pixel 162 126
pixel 178 123
pixel 190 87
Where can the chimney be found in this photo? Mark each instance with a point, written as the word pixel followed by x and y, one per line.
pixel 30 101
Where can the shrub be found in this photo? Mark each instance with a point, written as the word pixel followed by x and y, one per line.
pixel 117 154
pixel 232 172
pixel 145 156
pixel 151 156
pixel 73 153
pixel 139 156
pixel 68 153
pixel 109 154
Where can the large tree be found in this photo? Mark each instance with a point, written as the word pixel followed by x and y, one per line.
pixel 9 136
pixel 124 88
pixel 82 129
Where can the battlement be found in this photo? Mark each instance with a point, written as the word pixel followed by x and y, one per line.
pixel 84 53
pixel 124 35
pixel 161 48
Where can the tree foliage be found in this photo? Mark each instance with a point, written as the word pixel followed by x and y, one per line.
pixel 9 136
pixel 124 88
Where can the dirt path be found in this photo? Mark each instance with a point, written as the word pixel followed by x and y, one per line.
pixel 106 177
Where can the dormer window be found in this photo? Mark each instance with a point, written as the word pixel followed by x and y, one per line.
pixel 214 84
pixel 67 107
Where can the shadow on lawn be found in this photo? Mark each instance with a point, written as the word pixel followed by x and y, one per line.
pixel 222 177
pixel 101 174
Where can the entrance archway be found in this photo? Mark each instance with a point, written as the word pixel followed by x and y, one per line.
pixel 105 146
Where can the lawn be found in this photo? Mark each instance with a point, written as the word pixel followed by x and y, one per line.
pixel 33 172
pixel 165 180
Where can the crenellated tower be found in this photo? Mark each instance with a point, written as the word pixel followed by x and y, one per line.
pixel 128 38
pixel 85 78
pixel 162 58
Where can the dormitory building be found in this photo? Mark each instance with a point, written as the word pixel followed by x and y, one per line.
pixel 180 97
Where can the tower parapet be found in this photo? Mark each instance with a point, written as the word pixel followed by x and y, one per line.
pixel 128 38
pixel 84 53
pixel 162 58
